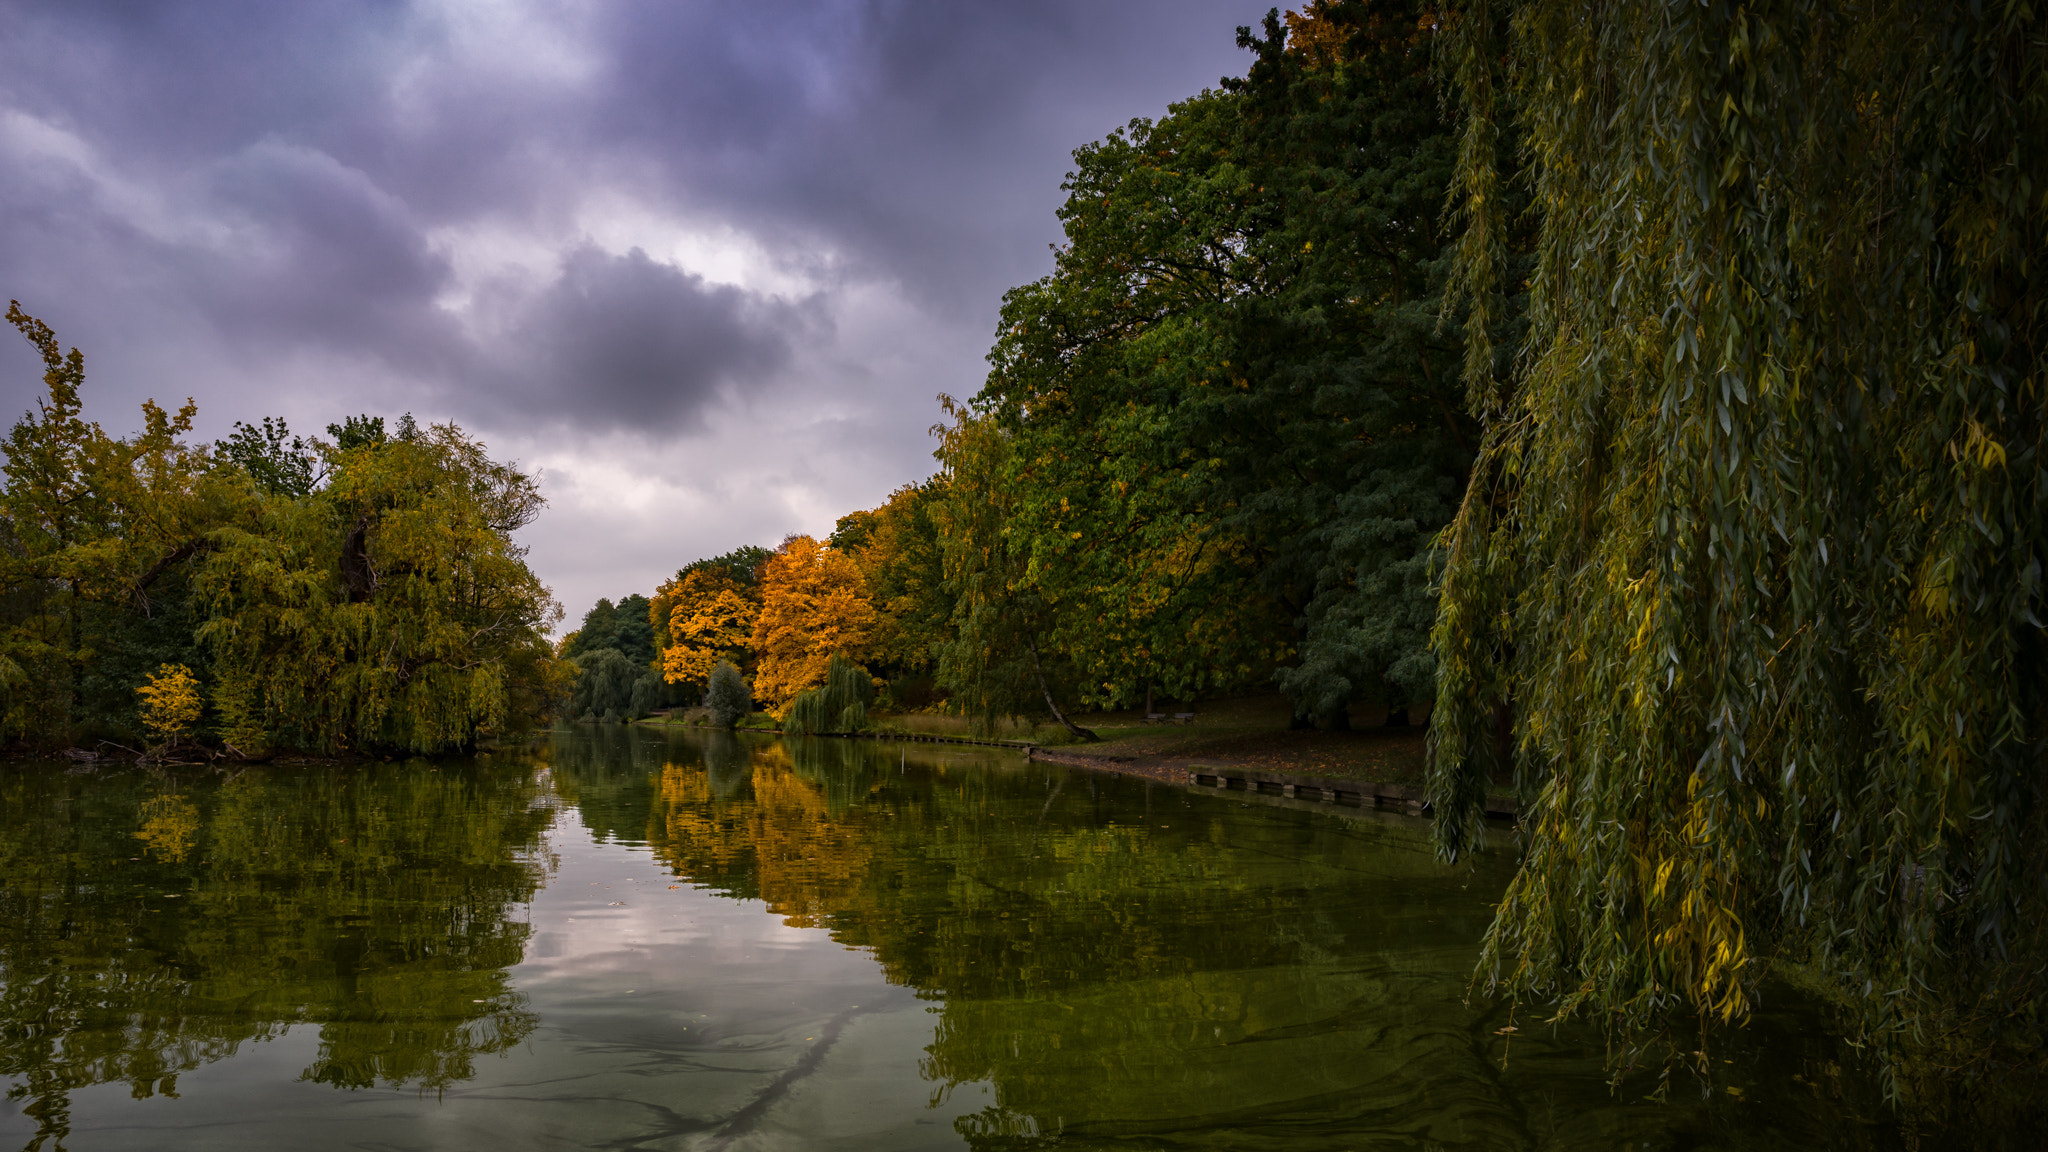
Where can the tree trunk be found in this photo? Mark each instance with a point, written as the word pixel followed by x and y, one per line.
pixel 1079 732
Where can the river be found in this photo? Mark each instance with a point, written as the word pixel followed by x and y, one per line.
pixel 632 938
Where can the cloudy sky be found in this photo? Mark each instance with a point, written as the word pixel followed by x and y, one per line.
pixel 705 265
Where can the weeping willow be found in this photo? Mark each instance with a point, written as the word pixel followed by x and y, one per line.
pixel 1745 593
pixel 838 705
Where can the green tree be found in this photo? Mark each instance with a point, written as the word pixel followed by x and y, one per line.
pixel 1228 417
pixel 95 534
pixel 1747 587
pixel 727 696
pixel 902 559
pixel 280 463
pixel 605 682
pixel 390 609
pixel 839 705
pixel 624 626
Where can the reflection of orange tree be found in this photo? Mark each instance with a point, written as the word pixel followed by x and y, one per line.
pixel 930 878
pixel 802 861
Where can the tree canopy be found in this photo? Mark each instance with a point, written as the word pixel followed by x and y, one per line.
pixel 1223 433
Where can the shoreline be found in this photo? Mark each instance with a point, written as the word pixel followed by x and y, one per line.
pixel 1201 773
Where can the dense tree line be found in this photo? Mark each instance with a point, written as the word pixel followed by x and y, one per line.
pixel 361 592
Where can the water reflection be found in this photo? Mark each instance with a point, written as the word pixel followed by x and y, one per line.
pixel 155 926
pixel 1124 961
pixel 709 940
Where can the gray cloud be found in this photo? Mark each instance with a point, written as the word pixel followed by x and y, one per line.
pixel 313 252
pixel 623 341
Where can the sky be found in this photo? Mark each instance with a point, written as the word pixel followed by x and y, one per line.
pixel 705 267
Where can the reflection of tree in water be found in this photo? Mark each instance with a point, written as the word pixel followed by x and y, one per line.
pixel 152 934
pixel 1074 943
pixel 1127 963
pixel 726 764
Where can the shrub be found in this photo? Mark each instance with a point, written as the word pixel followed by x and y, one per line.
pixel 726 696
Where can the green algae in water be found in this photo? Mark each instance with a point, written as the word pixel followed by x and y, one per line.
pixel 640 939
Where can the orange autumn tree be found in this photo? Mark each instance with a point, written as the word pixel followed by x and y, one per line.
pixel 712 620
pixel 814 605
pixel 706 613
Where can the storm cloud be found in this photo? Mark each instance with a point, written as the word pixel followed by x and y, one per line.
pixel 709 264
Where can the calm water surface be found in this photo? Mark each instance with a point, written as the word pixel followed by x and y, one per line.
pixel 631 939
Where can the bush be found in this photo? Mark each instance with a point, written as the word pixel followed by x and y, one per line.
pixel 727 696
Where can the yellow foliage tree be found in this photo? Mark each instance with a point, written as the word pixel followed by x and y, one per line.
pixel 712 621
pixel 170 702
pixel 707 632
pixel 814 604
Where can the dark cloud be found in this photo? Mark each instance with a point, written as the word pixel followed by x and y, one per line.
pixel 623 341
pixel 925 138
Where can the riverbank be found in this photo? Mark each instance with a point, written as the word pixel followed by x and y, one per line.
pixel 1243 743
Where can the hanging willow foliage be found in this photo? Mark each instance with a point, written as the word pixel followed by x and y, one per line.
pixel 1746 590
pixel 838 705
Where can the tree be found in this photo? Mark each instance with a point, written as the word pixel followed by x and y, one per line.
pixel 993 663
pixel 1227 417
pixel 712 622
pixel 840 704
pixel 901 559
pixel 95 535
pixel 814 606
pixel 605 683
pixel 624 626
pixel 171 703
pixel 1746 590
pixel 390 609
pixel 726 696
pixel 708 610
pixel 279 463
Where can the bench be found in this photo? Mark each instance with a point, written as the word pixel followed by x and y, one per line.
pixel 1183 717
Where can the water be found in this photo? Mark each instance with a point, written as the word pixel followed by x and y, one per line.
pixel 642 940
